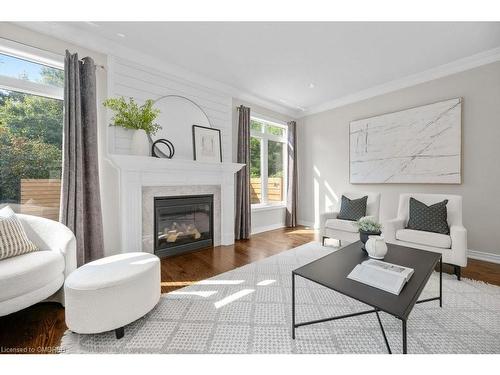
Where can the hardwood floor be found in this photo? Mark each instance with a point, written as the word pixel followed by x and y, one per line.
pixel 186 269
pixel 38 329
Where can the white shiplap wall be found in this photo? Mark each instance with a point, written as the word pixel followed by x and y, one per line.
pixel 128 79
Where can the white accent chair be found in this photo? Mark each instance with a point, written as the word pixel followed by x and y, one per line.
pixel 37 276
pixel 453 247
pixel 347 230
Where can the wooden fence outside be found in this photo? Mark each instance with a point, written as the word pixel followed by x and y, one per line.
pixel 274 189
pixel 41 197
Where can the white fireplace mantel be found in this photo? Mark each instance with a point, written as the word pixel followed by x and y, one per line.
pixel 136 172
pixel 151 164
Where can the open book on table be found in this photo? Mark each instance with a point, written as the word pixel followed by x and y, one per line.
pixel 382 275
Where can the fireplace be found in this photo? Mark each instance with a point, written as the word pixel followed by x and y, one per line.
pixel 182 224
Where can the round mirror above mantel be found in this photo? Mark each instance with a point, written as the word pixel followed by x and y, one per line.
pixel 177 116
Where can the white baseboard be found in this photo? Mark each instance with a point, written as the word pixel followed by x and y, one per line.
pixel 307 223
pixel 267 228
pixel 487 257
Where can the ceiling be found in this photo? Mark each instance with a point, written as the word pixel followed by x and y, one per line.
pixel 302 65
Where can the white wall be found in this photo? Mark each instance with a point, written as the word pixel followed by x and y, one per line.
pixel 267 218
pixel 324 152
pixel 141 82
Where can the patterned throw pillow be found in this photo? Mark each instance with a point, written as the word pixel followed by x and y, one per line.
pixel 13 238
pixel 352 209
pixel 433 218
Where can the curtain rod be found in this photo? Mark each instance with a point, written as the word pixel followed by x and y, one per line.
pixel 96 65
pixel 46 50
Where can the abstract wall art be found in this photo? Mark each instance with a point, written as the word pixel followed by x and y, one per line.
pixel 416 145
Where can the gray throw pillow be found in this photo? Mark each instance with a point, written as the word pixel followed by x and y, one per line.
pixel 433 218
pixel 13 238
pixel 352 209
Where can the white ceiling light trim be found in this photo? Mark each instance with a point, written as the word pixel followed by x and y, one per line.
pixel 457 66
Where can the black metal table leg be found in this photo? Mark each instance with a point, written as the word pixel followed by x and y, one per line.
pixel 404 336
pixel 293 305
pixel 441 282
pixel 119 332
pixel 383 333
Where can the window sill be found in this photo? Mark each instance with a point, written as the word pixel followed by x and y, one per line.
pixel 268 207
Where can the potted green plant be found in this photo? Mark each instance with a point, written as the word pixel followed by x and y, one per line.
pixel 368 226
pixel 137 118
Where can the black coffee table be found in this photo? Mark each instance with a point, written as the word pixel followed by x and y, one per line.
pixel 331 272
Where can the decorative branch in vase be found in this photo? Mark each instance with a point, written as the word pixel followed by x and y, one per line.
pixel 368 226
pixel 137 118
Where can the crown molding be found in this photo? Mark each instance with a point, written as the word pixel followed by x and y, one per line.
pixel 65 31
pixel 454 67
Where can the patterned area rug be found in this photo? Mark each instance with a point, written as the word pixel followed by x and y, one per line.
pixel 248 310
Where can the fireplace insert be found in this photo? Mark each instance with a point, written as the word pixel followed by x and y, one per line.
pixel 183 224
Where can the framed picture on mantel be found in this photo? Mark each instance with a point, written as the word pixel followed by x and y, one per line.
pixel 207 145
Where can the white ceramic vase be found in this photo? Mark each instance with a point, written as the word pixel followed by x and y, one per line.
pixel 376 247
pixel 140 143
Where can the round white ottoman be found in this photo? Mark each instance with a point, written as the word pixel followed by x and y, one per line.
pixel 111 292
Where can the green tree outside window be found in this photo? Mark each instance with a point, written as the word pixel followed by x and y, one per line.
pixel 30 136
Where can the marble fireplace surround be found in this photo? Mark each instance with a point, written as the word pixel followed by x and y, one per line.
pixel 141 178
pixel 150 192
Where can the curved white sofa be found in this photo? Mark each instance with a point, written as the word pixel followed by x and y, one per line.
pixel 34 277
pixel 111 292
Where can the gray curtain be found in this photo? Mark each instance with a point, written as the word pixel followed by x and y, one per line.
pixel 80 197
pixel 291 199
pixel 243 206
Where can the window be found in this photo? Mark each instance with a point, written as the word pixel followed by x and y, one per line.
pixel 267 162
pixel 31 120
